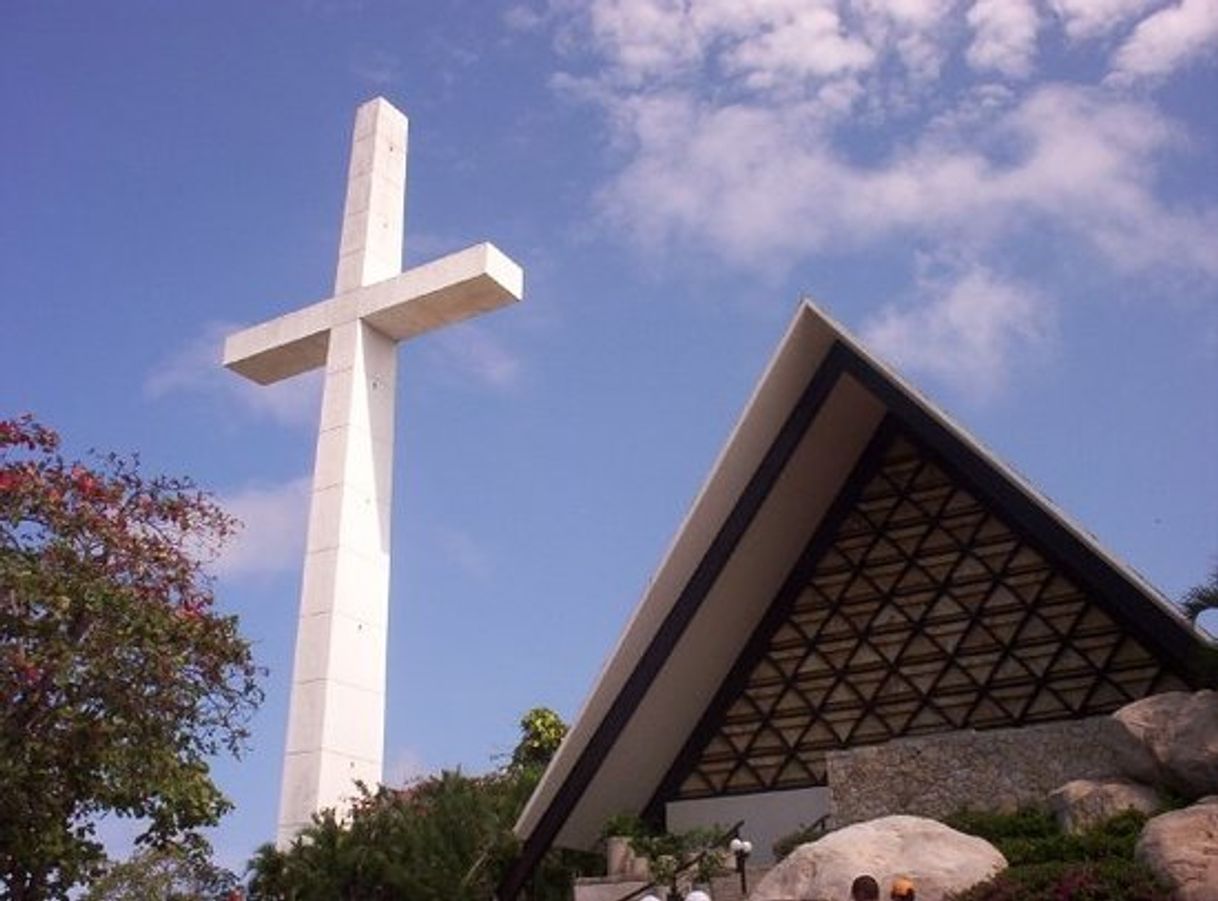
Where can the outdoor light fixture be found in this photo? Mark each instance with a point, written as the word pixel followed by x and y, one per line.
pixel 742 849
pixel 697 895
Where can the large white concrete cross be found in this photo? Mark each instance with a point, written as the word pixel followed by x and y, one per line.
pixel 336 723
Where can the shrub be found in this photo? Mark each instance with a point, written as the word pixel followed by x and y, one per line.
pixel 696 853
pixel 444 838
pixel 1049 865
pixel 1104 880
pixel 626 825
pixel 1032 836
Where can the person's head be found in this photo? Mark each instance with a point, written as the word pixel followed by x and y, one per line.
pixel 902 889
pixel 865 888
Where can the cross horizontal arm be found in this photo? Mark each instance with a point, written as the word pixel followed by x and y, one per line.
pixel 471 281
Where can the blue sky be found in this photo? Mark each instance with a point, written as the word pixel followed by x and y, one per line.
pixel 1015 201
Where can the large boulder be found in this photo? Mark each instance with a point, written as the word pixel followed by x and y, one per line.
pixel 1171 740
pixel 938 859
pixel 1084 803
pixel 1182 848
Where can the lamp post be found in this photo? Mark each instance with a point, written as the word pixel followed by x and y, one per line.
pixel 742 849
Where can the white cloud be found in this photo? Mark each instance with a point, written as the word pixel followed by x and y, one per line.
pixel 767 44
pixel 1004 36
pixel 195 368
pixel 765 184
pixel 794 44
pixel 472 353
pixel 772 131
pixel 764 44
pixel 1085 19
pixel 909 31
pixel 378 67
pixel 274 520
pixel 1168 39
pixel 753 162
pixel 808 41
pixel 645 37
pixel 751 181
pixel 463 551
pixel 521 17
pixel 967 330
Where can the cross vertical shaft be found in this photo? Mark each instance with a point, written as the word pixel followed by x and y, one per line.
pixel 336 719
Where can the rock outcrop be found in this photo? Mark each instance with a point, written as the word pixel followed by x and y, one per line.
pixel 1084 803
pixel 1182 848
pixel 1171 740
pixel 937 858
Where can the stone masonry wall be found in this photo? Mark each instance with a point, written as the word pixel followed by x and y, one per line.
pixel 936 775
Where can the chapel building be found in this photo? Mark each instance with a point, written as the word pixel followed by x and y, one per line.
pixel 864 612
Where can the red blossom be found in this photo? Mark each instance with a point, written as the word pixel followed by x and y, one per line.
pixel 10 479
pixel 86 483
pixel 189 612
pixel 25 432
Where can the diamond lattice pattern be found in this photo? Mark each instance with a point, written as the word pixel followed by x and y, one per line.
pixel 927 613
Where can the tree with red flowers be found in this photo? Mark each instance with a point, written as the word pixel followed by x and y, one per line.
pixel 118 678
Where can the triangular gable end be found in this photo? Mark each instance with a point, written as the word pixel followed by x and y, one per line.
pixel 856 569
pixel 990 634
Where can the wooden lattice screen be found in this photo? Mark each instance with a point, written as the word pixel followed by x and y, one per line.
pixel 925 612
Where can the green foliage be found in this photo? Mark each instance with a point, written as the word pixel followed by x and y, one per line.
pixel 118 680
pixel 695 854
pixel 441 838
pixel 541 732
pixel 1049 865
pixel 1102 880
pixel 1032 836
pixel 1026 823
pixel 1198 600
pixel 783 846
pixel 1203 597
pixel 163 874
pixel 695 851
pixel 626 825
pixel 444 837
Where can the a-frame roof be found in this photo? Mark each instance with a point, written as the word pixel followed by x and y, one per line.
pixel 813 443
